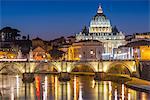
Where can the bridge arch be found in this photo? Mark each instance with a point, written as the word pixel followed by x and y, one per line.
pixel 82 67
pixel 119 68
pixel 11 68
pixel 45 67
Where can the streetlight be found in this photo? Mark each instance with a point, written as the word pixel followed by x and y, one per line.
pixel 91 52
pixel 80 56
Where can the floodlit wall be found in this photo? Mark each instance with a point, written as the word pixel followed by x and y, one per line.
pixel 145 52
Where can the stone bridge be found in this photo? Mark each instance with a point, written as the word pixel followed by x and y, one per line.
pixel 110 66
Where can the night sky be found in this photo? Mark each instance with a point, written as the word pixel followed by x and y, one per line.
pixel 49 19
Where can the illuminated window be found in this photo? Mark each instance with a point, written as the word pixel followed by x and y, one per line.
pixel 80 56
pixel 91 52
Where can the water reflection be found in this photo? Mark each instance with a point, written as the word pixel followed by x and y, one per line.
pixel 116 94
pixel 79 88
pixel 45 89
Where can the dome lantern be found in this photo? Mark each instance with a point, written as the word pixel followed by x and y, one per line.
pixel 100 11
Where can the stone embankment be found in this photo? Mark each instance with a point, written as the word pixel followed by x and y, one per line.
pixel 145 70
pixel 139 84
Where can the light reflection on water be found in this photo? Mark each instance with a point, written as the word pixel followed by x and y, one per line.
pixel 79 88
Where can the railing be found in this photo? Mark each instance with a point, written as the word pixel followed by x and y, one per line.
pixel 10 60
pixel 31 60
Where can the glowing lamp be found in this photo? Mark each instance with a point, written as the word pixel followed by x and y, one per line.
pixel 80 56
pixel 91 52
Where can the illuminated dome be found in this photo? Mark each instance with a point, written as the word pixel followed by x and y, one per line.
pixel 100 23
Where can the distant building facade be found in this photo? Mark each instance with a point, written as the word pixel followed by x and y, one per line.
pixel 101 29
pixel 38 42
pixel 138 36
pixel 70 39
pixel 123 52
pixel 39 53
pixel 133 50
pixel 137 47
pixel 85 50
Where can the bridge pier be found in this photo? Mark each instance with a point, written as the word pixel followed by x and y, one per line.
pixel 28 77
pixel 99 76
pixel 64 76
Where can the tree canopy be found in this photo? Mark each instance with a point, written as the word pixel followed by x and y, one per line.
pixel 56 54
pixel 10 33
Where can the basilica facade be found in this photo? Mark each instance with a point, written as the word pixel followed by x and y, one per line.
pixel 101 29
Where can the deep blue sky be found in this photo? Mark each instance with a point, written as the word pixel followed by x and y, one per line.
pixel 49 19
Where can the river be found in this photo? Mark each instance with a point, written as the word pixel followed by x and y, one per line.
pixel 48 87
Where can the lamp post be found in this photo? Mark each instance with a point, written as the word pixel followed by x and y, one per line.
pixel 80 56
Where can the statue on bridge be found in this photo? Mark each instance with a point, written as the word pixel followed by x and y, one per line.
pixel 30 57
pixel 19 56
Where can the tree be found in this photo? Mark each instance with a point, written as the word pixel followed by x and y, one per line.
pixel 15 34
pixel 24 37
pixel 56 54
pixel 9 33
pixel 6 29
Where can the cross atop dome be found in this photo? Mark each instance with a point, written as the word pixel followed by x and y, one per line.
pixel 100 11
